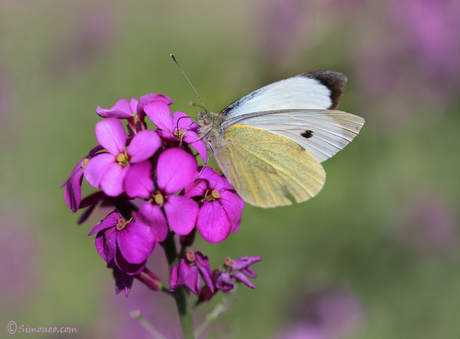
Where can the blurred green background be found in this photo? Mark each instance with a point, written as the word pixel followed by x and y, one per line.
pixel 374 255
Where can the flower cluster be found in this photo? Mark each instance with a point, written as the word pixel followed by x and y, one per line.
pixel 151 181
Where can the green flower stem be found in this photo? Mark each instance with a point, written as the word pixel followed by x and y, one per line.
pixel 227 300
pixel 210 317
pixel 179 295
pixel 149 327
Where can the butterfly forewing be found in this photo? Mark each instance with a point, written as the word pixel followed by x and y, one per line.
pixel 312 90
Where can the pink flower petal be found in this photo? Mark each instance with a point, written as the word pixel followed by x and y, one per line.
pixel 123 281
pixel 75 170
pixel 189 276
pixel 167 136
pixel 194 140
pixel 110 134
pixel 232 206
pixel 72 190
pixel 249 272
pixel 224 282
pixel 138 181
pixel 182 121
pixel 181 213
pixel 202 263
pixel 175 169
pixel 128 268
pixel 110 220
pixel 148 98
pixel 196 189
pixel 244 263
pixel 213 222
pixel 241 202
pixel 241 277
pixel 121 110
pixel 150 214
pixel 107 113
pixel 106 244
pixel 143 146
pixel 209 174
pixel 174 278
pixel 136 241
pixel 133 105
pixel 122 105
pixel 112 181
pixel 97 167
pixel 160 114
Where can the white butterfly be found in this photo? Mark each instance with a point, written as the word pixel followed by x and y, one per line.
pixel 270 143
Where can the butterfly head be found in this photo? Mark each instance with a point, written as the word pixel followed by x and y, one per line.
pixel 210 127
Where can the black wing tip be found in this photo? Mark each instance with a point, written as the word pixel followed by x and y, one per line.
pixel 335 81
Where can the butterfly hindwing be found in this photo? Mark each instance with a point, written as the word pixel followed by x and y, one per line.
pixel 264 167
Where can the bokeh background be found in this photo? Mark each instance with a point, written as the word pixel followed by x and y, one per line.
pixel 374 255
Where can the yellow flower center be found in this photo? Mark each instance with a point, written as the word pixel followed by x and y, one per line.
pixel 179 134
pixel 159 199
pixel 122 159
pixel 84 163
pixel 215 194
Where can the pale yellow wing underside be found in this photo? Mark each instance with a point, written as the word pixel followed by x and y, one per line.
pixel 265 167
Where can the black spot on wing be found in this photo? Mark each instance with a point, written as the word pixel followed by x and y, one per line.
pixel 307 134
pixel 334 81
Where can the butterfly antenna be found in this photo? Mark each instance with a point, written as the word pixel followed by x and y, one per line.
pixel 190 125
pixel 191 103
pixel 172 56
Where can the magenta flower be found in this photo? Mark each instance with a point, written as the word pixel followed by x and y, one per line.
pixel 175 169
pixel 124 109
pixel 133 110
pixel 128 243
pixel 180 127
pixel 188 273
pixel 215 174
pixel 224 280
pixel 72 189
pixel 108 170
pixel 220 211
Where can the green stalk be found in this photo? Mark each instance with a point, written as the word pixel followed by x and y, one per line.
pixel 179 295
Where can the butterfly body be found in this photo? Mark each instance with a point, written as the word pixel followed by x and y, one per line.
pixel 270 143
